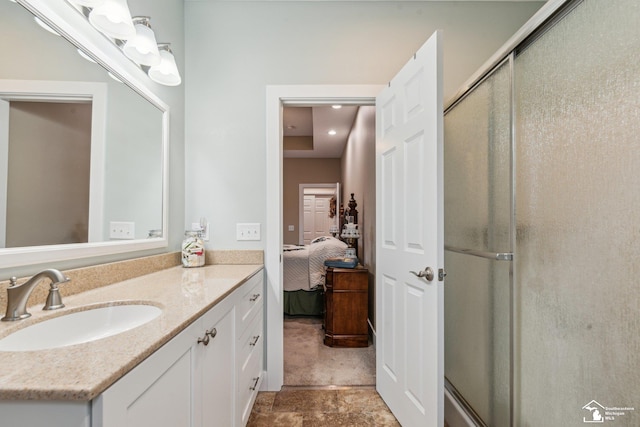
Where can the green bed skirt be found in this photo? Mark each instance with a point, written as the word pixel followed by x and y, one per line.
pixel 304 303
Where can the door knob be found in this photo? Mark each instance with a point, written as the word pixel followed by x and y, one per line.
pixel 427 273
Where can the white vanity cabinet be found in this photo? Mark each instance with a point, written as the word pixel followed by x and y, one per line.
pixel 249 349
pixel 208 375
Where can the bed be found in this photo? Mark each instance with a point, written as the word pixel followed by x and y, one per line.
pixel 304 274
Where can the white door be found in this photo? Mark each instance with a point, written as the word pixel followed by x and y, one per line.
pixel 409 230
pixel 316 220
pixel 308 219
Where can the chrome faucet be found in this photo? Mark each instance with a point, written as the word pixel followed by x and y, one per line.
pixel 18 295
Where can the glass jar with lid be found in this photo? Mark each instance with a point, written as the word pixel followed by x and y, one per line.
pixel 192 249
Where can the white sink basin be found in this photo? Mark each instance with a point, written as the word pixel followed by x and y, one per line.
pixel 79 327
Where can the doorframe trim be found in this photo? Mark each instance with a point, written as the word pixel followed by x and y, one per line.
pixel 276 97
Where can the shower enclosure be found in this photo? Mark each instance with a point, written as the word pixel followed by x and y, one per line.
pixel 542 231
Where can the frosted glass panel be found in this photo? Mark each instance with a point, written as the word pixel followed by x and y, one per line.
pixel 476 307
pixel 477 167
pixel 578 198
pixel 477 183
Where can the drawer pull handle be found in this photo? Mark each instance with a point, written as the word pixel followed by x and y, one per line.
pixel 212 333
pixel 254 297
pixel 204 340
pixel 255 384
pixel 255 340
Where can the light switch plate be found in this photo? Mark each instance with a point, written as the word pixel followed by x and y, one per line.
pixel 248 231
pixel 292 228
pixel 122 230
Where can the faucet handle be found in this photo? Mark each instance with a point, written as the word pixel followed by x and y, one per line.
pixel 54 300
pixel 13 281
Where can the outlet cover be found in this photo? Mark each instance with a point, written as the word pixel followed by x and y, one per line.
pixel 122 230
pixel 248 231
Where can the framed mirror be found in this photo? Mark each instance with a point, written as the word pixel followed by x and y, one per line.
pixel 83 144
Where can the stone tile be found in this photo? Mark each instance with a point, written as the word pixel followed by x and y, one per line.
pixel 306 401
pixel 264 401
pixel 384 419
pixel 321 419
pixel 273 419
pixel 361 400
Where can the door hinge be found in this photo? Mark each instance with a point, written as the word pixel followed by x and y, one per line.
pixel 441 274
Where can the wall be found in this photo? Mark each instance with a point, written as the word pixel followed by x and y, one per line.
pixel 359 177
pixel 303 171
pixel 236 49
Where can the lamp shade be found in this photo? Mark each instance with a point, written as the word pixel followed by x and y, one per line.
pixel 166 72
pixel 87 3
pixel 113 19
pixel 143 48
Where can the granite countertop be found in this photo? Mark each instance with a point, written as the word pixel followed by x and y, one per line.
pixel 83 371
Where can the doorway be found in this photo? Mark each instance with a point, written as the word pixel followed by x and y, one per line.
pixel 277 97
pixel 339 152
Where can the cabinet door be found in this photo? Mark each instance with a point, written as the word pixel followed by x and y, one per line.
pixel 158 392
pixel 215 365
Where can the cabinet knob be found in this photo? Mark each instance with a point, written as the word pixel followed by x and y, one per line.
pixel 204 340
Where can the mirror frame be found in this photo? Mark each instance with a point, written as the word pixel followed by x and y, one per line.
pixel 72 26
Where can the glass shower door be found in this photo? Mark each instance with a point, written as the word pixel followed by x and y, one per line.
pixel 578 197
pixel 478 212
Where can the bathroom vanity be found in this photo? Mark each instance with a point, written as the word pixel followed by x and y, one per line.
pixel 199 363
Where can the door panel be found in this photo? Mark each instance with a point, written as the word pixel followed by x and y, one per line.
pixel 409 309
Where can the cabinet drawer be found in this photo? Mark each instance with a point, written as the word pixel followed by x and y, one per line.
pixel 250 303
pixel 251 341
pixel 348 280
pixel 249 381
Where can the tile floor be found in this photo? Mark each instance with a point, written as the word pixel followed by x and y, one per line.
pixel 303 407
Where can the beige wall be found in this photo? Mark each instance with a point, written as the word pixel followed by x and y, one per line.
pixel 303 171
pixel 358 177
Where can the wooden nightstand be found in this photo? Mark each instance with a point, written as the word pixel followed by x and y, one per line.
pixel 346 307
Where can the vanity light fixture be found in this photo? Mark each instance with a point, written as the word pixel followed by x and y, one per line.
pixel 332 132
pixel 143 48
pixel 166 72
pixel 112 18
pixel 133 36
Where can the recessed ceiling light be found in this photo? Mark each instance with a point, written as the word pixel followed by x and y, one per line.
pixel 336 107
pixel 332 132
